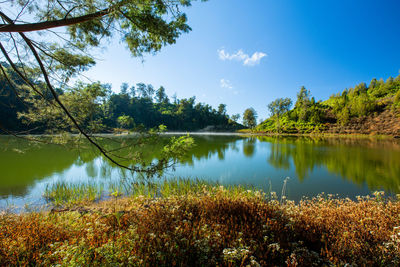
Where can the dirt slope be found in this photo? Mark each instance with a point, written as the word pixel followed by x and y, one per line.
pixel 385 123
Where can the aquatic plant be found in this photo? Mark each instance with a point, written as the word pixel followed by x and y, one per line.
pixel 61 193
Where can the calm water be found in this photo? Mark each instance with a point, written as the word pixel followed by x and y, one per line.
pixel 347 167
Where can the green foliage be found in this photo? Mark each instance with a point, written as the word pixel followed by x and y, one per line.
pixel 70 63
pixel 98 110
pixel 125 122
pixel 396 101
pixel 83 102
pixel 362 100
pixel 310 116
pixel 222 109
pixel 145 25
pixel 306 117
pixel 177 147
pixel 235 117
pixel 302 104
pixel 161 96
pixel 62 193
pixel 250 118
pixel 11 102
pixel 183 114
pixel 343 117
pixel 278 108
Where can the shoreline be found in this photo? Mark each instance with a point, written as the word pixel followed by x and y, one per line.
pixel 237 133
pixel 324 135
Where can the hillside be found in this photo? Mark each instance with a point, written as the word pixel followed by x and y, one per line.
pixel 372 109
pixel 383 123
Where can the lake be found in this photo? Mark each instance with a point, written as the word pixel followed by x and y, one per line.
pixel 347 167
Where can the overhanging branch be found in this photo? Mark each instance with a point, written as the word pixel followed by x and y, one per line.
pixel 29 27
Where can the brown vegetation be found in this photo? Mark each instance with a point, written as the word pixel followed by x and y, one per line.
pixel 385 123
pixel 214 227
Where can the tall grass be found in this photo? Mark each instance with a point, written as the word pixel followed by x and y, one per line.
pixel 167 187
pixel 62 193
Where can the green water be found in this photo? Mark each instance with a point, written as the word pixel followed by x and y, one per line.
pixel 347 167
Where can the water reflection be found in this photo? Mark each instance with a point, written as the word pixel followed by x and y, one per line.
pixel 314 164
pixel 361 161
pixel 249 147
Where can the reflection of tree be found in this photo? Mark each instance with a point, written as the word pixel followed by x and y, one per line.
pixel 207 146
pixel 22 163
pixel 249 147
pixel 370 161
pixel 279 155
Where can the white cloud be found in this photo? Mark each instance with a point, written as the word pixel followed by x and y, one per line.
pixel 225 84
pixel 242 57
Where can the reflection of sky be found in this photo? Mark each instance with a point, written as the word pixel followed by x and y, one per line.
pixel 255 171
pixel 231 167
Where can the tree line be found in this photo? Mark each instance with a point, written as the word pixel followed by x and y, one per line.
pixel 98 109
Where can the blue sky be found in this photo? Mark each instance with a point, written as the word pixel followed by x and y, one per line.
pixel 246 53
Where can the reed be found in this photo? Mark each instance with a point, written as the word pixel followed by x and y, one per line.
pixel 62 193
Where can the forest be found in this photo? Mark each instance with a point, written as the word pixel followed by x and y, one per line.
pixel 98 109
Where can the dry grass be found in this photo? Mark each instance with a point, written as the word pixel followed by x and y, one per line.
pixel 207 228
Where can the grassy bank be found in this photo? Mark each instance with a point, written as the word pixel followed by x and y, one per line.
pixel 183 223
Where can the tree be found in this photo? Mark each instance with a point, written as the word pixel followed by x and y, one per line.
pixel 82 101
pixel 141 89
pixel 235 117
pixel 149 92
pixel 303 103
pixel 222 109
pixel 343 117
pixel 124 88
pixel 144 25
pixel 250 118
pixel 161 96
pixel 132 91
pixel 279 107
pixel 125 122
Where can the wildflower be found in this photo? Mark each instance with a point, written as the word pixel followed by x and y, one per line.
pixel 274 247
pixel 152 235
